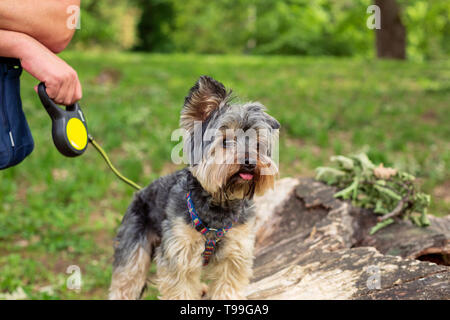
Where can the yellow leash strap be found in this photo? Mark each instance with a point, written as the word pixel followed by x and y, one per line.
pixel 108 162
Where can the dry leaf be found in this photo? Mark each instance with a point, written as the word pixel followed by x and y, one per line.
pixel 384 173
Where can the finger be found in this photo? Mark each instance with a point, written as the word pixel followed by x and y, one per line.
pixel 69 99
pixel 78 91
pixel 63 91
pixel 52 88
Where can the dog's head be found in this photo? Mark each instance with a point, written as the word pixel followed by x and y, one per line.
pixel 229 145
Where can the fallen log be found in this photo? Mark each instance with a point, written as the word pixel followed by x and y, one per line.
pixel 310 245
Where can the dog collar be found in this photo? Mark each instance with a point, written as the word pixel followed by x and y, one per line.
pixel 217 234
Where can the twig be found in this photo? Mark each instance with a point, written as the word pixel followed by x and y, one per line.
pixel 397 210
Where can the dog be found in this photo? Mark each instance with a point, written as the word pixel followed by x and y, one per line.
pixel 201 219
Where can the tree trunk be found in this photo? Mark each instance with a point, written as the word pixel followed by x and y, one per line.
pixel 391 38
pixel 310 245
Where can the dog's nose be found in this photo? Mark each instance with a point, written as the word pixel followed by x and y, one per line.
pixel 249 166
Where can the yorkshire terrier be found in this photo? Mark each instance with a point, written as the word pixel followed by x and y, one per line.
pixel 201 218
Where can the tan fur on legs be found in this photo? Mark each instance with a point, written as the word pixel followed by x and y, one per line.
pixel 128 281
pixel 231 269
pixel 179 262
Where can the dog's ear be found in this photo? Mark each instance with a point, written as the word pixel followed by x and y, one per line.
pixel 203 98
pixel 273 122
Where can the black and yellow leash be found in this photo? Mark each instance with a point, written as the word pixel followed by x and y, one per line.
pixel 70 133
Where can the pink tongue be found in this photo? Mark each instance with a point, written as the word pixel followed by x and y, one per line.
pixel 246 176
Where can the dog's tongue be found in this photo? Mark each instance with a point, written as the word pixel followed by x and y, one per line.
pixel 246 176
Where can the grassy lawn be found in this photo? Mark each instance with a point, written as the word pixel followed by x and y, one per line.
pixel 56 212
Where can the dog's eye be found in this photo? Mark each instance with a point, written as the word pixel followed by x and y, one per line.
pixel 227 143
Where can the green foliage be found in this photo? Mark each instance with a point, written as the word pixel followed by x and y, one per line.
pixel 273 27
pixel 428 28
pixel 312 28
pixel 384 190
pixel 155 25
pixel 305 27
pixel 211 27
pixel 106 24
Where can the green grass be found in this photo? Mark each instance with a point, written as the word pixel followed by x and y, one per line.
pixel 56 212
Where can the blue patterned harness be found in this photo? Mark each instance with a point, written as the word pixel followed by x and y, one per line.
pixel 210 244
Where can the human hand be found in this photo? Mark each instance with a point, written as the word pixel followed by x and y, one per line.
pixel 61 80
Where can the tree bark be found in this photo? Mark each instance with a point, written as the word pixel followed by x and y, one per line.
pixel 391 38
pixel 310 245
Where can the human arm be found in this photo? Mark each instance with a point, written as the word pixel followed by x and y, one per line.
pixel 61 81
pixel 43 20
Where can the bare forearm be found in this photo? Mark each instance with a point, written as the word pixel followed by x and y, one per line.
pixel 44 20
pixel 13 44
pixel 32 30
pixel 60 79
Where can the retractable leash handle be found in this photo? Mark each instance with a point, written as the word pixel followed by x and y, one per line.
pixel 70 133
pixel 69 128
